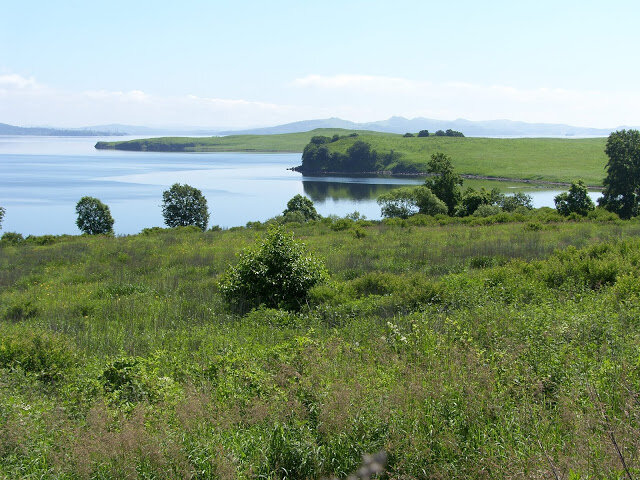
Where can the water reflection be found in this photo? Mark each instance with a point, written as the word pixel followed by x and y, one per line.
pixel 320 192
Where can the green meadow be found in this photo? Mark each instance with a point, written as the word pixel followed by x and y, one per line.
pixel 498 347
pixel 286 142
pixel 534 159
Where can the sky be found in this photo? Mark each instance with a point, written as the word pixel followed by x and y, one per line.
pixel 224 64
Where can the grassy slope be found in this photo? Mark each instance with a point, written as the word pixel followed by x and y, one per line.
pixel 286 142
pixel 424 346
pixel 549 159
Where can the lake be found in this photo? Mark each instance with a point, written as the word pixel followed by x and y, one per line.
pixel 42 179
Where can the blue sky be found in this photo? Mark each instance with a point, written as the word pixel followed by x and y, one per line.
pixel 246 63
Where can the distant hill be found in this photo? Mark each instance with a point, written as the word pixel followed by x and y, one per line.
pixel 489 128
pixel 53 132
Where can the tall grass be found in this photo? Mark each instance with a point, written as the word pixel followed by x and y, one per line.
pixel 504 350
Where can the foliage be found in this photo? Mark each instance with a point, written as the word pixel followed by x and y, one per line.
pixel 576 200
pixel 509 203
pixel 44 354
pixel 423 133
pixel 277 272
pixel 407 201
pixel 472 199
pixel 184 205
pixel 621 193
pixel 399 202
pixel 11 238
pixel 408 135
pixel 444 182
pixel 302 205
pixel 94 217
pixel 499 347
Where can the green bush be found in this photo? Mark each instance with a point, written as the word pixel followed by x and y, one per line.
pixel 277 272
pixel 11 238
pixel 41 353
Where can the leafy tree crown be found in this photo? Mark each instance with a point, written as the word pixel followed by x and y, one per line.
pixel 94 217
pixel 184 205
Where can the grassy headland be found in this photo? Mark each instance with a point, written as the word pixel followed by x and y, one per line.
pixel 286 142
pixel 541 159
pixel 502 347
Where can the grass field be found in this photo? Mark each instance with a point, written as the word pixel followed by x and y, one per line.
pixel 503 347
pixel 544 159
pixel 286 142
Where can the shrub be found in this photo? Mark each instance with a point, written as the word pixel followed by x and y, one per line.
pixel 303 206
pixel 487 210
pixel 277 272
pixel 44 354
pixel 576 200
pixel 11 238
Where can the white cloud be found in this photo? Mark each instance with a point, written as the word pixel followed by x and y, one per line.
pixel 26 102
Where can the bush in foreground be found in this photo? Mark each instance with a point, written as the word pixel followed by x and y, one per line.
pixel 276 272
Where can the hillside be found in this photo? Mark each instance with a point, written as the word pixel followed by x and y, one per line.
pixel 462 350
pixel 545 159
pixel 287 142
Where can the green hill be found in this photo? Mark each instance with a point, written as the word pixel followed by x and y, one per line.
pixel 543 159
pixel 286 142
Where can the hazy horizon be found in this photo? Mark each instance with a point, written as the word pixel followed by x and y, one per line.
pixel 253 65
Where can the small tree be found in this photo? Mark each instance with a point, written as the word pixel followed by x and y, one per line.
pixel 407 201
pixel 398 203
pixel 423 133
pixel 277 272
pixel 94 217
pixel 576 200
pixel 428 203
pixel 444 183
pixel 621 193
pixel 184 205
pixel 510 203
pixel 302 205
pixel 408 135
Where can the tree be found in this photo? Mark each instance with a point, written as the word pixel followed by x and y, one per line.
pixel 428 203
pixel 408 135
pixel 621 193
pixel 423 133
pixel 472 199
pixel 302 205
pixel 407 201
pixel 2 212
pixel 576 200
pixel 444 182
pixel 94 217
pixel 277 272
pixel 509 203
pixel 184 205
pixel 398 203
pixel 361 157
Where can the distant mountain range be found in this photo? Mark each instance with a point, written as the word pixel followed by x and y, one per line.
pixel 53 132
pixel 489 128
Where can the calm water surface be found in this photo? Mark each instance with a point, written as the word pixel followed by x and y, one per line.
pixel 42 178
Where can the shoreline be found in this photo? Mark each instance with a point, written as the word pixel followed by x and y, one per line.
pixel 426 174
